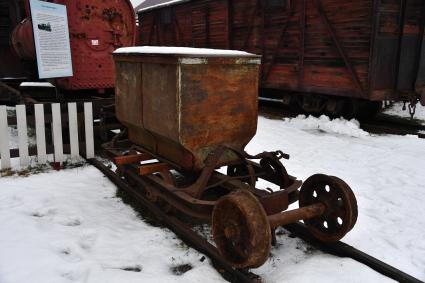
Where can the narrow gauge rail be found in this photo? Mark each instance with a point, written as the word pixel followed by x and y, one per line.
pixel 178 227
pixel 190 237
pixel 392 125
pixel 381 124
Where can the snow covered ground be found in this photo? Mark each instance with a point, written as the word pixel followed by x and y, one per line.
pixel 397 110
pixel 385 172
pixel 69 226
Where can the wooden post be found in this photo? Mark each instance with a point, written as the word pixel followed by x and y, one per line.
pixel 4 139
pixel 88 123
pixel 21 119
pixel 73 130
pixel 40 133
pixel 57 132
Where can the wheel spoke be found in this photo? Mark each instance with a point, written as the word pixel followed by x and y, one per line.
pixel 332 224
pixel 341 206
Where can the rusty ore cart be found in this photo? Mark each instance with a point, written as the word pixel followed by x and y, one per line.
pixel 332 56
pixel 189 112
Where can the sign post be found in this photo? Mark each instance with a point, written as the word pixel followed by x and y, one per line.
pixel 51 38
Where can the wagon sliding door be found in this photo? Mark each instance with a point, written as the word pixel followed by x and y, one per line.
pixel 397 64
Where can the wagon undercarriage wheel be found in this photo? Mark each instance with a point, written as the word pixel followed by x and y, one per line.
pixel 341 207
pixel 276 171
pixel 243 170
pixel 241 230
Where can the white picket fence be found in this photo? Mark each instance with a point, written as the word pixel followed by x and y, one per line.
pixel 40 132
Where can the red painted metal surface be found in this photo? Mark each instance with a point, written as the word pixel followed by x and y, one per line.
pixel 96 29
pixel 369 49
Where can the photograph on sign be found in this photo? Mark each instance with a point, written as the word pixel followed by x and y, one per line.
pixel 51 38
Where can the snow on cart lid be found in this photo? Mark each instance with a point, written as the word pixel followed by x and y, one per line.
pixel 186 51
pixel 36 84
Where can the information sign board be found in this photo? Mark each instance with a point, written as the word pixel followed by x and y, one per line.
pixel 51 37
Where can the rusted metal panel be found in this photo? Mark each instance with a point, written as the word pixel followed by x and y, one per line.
pixel 218 104
pixel 182 107
pixel 128 94
pixel 160 99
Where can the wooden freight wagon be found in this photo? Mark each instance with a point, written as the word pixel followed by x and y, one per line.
pixel 324 55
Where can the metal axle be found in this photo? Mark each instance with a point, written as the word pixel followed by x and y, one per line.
pixel 291 216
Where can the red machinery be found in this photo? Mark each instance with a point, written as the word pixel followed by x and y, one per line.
pixel 96 28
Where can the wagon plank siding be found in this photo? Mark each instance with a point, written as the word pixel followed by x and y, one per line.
pixel 356 48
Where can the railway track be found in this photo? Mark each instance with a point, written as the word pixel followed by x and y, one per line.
pixel 387 124
pixel 178 227
pixel 231 274
pixel 381 124
pixel 236 275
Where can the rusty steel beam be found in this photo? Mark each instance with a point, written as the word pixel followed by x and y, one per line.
pixel 128 159
pixel 347 61
pixel 147 169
